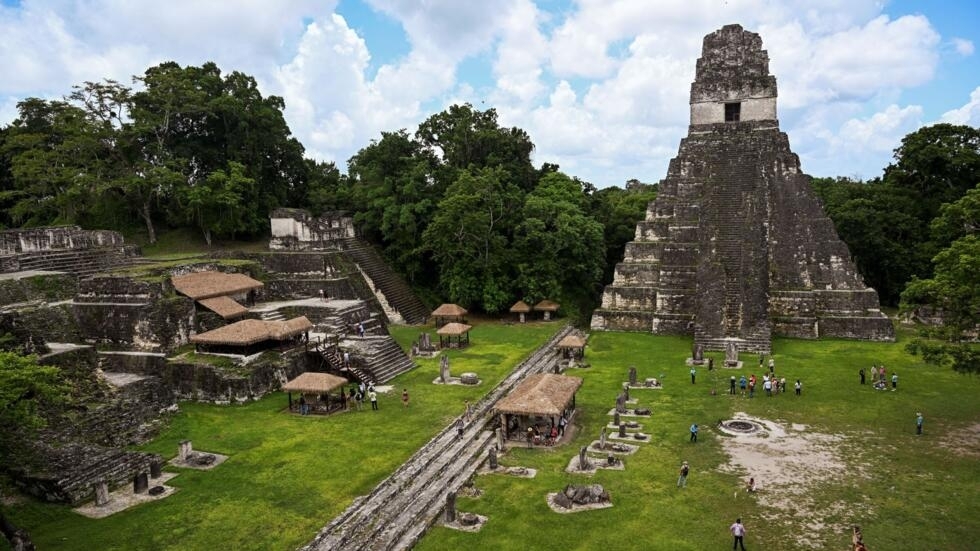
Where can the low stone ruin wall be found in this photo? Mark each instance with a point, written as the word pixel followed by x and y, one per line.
pixel 209 383
pixel 297 229
pixel 56 238
pixel 869 328
pixel 48 288
pixel 69 473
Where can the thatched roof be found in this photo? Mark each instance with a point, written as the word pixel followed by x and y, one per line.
pixel 543 394
pixel 251 331
pixel 201 285
pixel 520 307
pixel 449 310
pixel 224 306
pixel 314 383
pixel 546 306
pixel 571 341
pixel 453 329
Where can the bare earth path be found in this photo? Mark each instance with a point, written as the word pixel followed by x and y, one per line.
pixel 403 506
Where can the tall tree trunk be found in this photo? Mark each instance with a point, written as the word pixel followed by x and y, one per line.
pixel 145 215
pixel 19 539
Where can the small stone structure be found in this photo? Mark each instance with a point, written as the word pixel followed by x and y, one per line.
pixel 581 497
pixel 298 230
pixel 736 245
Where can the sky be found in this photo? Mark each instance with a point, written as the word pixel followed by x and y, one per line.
pixel 601 86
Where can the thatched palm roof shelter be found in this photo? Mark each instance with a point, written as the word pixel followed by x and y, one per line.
pixel 448 313
pixel 520 308
pixel 540 395
pixel 549 307
pixel 245 334
pixel 224 306
pixel 202 285
pixel 460 331
pixel 314 383
pixel 315 388
pixel 571 346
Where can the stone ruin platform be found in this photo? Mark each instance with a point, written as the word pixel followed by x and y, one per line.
pixel 630 437
pixel 615 427
pixel 629 448
pixel 629 412
pixel 458 524
pixel 550 498
pixel 218 459
pixel 123 498
pixel 520 472
pixel 595 463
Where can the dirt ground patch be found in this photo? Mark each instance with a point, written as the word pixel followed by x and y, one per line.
pixel 789 465
pixel 964 442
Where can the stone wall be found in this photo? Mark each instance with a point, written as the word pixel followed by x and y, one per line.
pixel 46 288
pixel 298 230
pixel 56 238
pixel 132 314
pixel 209 383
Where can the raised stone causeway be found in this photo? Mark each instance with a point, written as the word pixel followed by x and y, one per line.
pixel 403 506
pixel 736 247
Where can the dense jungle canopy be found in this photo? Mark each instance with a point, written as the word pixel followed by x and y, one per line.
pixel 458 207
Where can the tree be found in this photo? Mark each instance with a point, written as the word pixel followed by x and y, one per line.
pixel 24 387
pixel 560 245
pixel 954 289
pixel 469 239
pixel 618 210
pixel 218 205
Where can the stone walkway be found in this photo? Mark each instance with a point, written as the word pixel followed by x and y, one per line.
pixel 403 506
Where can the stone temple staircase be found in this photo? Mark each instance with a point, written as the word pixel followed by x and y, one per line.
pixel 378 357
pixel 397 293
pixel 80 262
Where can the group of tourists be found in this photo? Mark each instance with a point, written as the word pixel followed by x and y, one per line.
pixel 358 393
pixel 879 377
pixel 771 384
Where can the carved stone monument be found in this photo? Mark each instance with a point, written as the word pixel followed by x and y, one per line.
pixel 616 418
pixel 697 354
pixel 736 244
pixel 500 438
pixel 451 507
pixel 141 483
pixel 731 354
pixel 444 369
pixel 184 450
pixel 621 403
pixel 632 375
pixel 602 439
pixel 492 457
pixel 101 493
pixel 156 469
pixel 583 460
pixel 622 431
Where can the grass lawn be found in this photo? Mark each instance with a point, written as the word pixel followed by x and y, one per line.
pixel 906 492
pixel 287 475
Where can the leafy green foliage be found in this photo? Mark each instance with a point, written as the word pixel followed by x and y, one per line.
pixel 954 289
pixel 24 386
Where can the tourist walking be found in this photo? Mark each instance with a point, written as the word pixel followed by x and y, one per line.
pixel 731 386
pixel 360 329
pixel 468 411
pixel 861 373
pixel 682 479
pixel 343 400
pixel 459 428
pixel 742 382
pixel 562 421
pixel 302 405
pixel 693 373
pixel 799 387
pixel 738 532
pixel 767 386
pixel 918 423
pixel 894 381
pixel 346 359
pixel 694 432
pixel 405 397
pixel 373 396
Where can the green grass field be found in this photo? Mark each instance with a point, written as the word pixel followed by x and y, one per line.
pixel 287 475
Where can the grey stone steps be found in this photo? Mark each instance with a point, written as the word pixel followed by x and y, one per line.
pixel 402 507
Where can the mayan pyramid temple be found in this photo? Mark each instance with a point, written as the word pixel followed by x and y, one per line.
pixel 736 248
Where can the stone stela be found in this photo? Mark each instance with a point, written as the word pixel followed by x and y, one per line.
pixel 736 247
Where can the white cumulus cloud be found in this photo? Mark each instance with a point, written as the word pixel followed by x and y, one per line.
pixel 968 114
